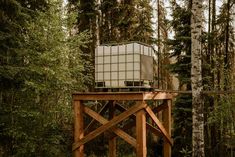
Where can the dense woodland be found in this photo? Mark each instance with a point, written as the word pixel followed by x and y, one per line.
pixel 47 53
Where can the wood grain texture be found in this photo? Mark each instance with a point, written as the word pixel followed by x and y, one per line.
pixel 141 149
pixel 136 96
pixel 112 140
pixel 159 125
pixel 117 131
pixel 108 125
pixel 167 124
pixel 78 127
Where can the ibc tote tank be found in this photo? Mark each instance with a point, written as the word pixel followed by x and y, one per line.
pixel 128 65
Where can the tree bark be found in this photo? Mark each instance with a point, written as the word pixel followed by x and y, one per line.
pixel 98 16
pixel 196 78
pixel 226 58
pixel 159 47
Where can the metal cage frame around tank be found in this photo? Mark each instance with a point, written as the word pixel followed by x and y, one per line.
pixel 125 65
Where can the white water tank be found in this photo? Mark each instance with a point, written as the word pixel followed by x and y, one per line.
pixel 124 65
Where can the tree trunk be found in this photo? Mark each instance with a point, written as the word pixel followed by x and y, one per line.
pixel 212 54
pixel 226 58
pixel 159 46
pixel 98 16
pixel 196 78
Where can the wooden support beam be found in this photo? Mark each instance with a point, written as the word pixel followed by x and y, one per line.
pixel 78 127
pixel 137 113
pixel 112 147
pixel 108 96
pixel 159 108
pixel 110 124
pixel 137 96
pixel 116 130
pixel 154 130
pixel 122 109
pixel 159 125
pixel 141 149
pixel 132 124
pixel 102 111
pixel 157 96
pixel 167 125
pixel 112 140
pixel 126 127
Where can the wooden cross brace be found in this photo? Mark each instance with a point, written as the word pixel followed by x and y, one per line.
pixel 114 129
pixel 138 113
pixel 152 115
pixel 109 124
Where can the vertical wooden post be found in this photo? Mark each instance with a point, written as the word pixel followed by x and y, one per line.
pixel 112 140
pixel 78 127
pixel 141 148
pixel 167 125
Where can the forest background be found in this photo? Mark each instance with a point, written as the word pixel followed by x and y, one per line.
pixel 47 53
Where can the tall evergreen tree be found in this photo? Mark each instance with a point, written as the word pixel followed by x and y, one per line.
pixel 181 51
pixel 143 30
pixel 221 59
pixel 163 28
pixel 38 72
pixel 109 20
pixel 86 22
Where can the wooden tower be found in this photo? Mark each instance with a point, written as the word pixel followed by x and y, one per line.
pixel 140 112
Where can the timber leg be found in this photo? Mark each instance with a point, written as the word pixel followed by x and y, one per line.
pixel 167 124
pixel 78 127
pixel 112 139
pixel 141 148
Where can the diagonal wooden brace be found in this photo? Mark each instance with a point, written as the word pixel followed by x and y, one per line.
pixel 159 108
pixel 116 130
pixel 156 131
pixel 102 111
pixel 140 105
pixel 159 125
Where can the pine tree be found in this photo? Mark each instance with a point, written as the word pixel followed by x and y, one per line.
pixel 109 21
pixel 181 51
pixel 86 13
pixel 39 71
pixel 220 36
pixel 143 30
pixel 163 28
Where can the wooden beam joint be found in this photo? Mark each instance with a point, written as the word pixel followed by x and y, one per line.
pixel 108 125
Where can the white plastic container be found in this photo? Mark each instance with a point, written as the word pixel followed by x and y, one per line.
pixel 124 65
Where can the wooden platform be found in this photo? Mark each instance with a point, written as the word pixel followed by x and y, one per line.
pixel 138 112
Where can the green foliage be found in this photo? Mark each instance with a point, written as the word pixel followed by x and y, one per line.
pixel 182 134
pixel 185 152
pixel 221 116
pixel 218 75
pixel 181 45
pixel 109 23
pixel 143 30
pixel 224 111
pixel 40 67
pixel 182 110
pixel 126 21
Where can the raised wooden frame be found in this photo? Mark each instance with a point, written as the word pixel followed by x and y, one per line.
pixel 138 113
